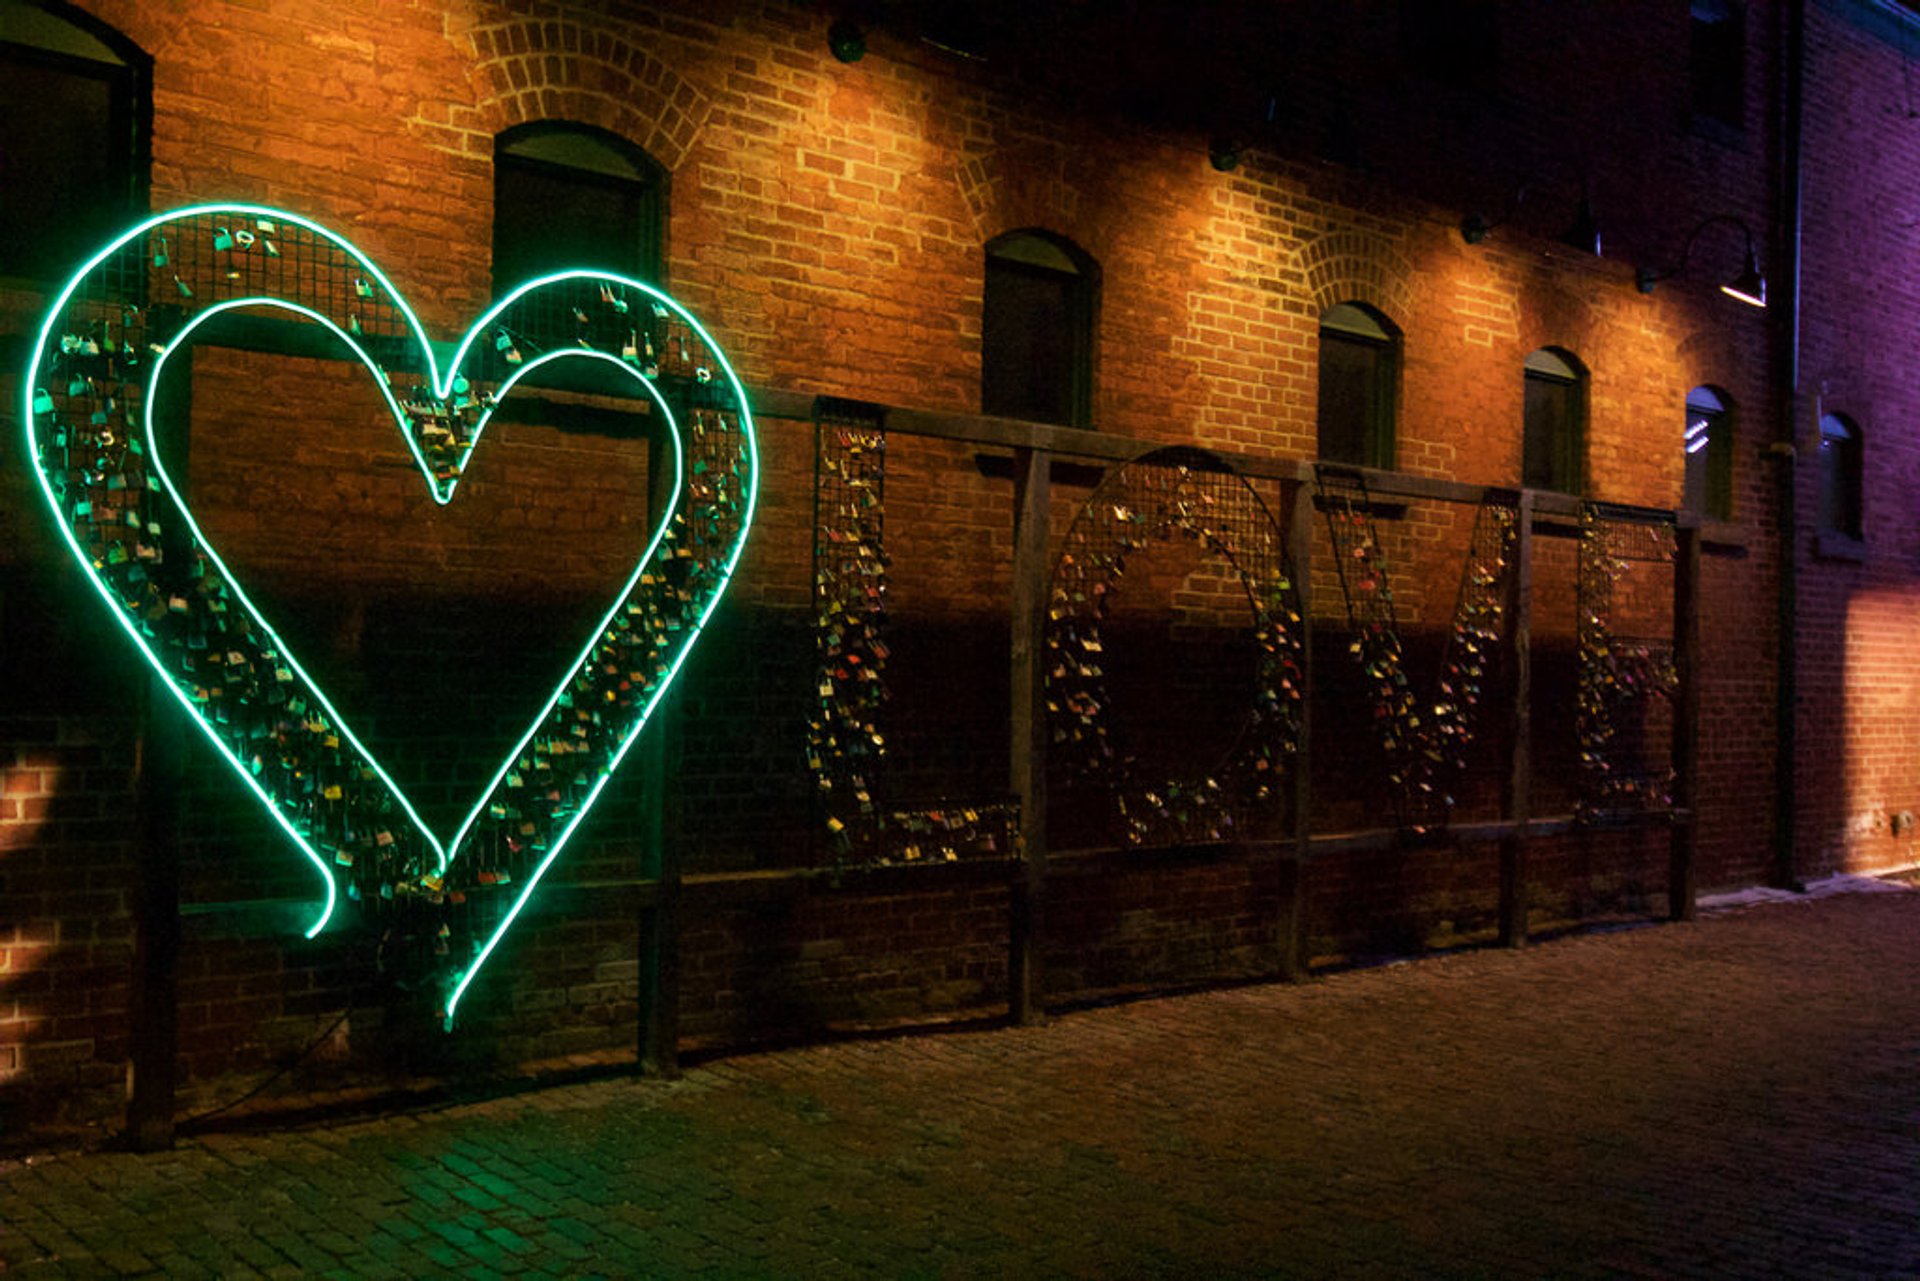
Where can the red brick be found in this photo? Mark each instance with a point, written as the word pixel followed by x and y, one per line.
pixel 828 223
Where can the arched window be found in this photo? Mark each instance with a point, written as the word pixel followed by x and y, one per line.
pixel 1359 385
pixel 570 195
pixel 1553 440
pixel 1709 445
pixel 1036 329
pixel 1840 472
pixel 76 97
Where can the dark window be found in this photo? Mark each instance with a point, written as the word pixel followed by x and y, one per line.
pixel 1359 385
pixel 1036 330
pixel 1717 62
pixel 1454 42
pixel 74 151
pixel 1709 445
pixel 1840 473
pixel 568 195
pixel 1554 438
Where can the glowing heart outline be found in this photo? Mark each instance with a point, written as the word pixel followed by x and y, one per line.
pixel 442 389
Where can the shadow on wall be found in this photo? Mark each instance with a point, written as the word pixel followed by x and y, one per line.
pixel 66 847
pixel 66 934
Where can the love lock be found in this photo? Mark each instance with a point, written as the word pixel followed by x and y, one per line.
pixel 89 396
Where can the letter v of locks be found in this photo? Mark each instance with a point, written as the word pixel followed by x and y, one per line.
pixel 90 391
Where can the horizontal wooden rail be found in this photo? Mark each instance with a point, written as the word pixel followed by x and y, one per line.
pixel 1076 442
pixel 272 917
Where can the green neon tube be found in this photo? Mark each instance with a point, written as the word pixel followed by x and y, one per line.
pixel 441 383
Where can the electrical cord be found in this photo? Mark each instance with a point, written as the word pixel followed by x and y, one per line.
pixel 256 1090
pixel 383 972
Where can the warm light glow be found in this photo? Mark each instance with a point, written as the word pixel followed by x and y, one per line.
pixel 1869 778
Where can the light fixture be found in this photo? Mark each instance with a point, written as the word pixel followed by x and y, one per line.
pixel 1584 233
pixel 1749 286
pixel 847 40
pixel 1224 154
pixel 1476 227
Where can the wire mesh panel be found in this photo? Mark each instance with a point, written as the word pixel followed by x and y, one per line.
pixel 1424 739
pixel 101 455
pixel 1626 672
pixel 1177 494
pixel 846 744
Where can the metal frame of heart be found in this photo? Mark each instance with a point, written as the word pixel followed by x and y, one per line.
pixel 90 395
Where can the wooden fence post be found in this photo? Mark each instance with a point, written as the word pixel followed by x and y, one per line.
pixel 1028 718
pixel 159 771
pixel 1294 855
pixel 658 1011
pixel 155 1041
pixel 1686 723
pixel 1519 788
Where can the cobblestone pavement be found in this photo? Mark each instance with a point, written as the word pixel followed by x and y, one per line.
pixel 1735 1097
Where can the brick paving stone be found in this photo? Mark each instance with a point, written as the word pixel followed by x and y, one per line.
pixel 1728 1097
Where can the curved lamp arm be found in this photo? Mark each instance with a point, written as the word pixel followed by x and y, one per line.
pixel 1749 287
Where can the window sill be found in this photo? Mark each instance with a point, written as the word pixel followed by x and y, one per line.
pixel 1831 544
pixel 997 466
pixel 1723 535
pixel 1383 508
pixel 1732 137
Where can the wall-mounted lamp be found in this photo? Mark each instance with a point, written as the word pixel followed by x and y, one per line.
pixel 1582 234
pixel 1749 286
pixel 847 39
pixel 1476 227
pixel 1224 154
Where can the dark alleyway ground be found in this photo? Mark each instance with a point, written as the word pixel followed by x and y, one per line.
pixel 1734 1097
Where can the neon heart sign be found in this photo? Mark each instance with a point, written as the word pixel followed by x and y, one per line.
pixel 90 395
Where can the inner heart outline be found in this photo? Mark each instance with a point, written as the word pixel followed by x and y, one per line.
pixel 158 463
pixel 660 597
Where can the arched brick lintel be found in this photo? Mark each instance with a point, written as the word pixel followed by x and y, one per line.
pixel 557 70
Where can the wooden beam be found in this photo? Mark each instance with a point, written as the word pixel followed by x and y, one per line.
pixel 155 996
pixel 658 1012
pixel 159 773
pixel 1686 725
pixel 1294 857
pixel 1075 442
pixel 658 1005
pixel 1518 801
pixel 1028 720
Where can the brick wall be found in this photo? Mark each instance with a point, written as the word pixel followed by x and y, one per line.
pixel 827 224
pixel 1858 729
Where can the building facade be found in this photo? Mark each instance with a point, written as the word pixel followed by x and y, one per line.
pixel 1011 250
